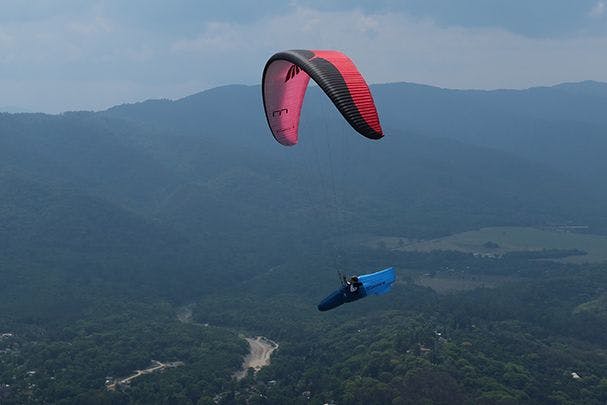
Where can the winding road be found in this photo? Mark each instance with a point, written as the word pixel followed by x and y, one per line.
pixel 260 348
pixel 156 366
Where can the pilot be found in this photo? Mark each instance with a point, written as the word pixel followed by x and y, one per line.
pixel 353 285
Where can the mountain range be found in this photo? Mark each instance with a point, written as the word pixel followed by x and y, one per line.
pixel 203 173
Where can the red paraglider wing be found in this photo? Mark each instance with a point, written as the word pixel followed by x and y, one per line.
pixel 285 80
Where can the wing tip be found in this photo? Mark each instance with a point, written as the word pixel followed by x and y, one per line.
pixel 286 142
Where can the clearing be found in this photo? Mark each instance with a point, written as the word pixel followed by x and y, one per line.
pixel 259 356
pixel 496 241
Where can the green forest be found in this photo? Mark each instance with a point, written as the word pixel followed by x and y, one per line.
pixel 149 233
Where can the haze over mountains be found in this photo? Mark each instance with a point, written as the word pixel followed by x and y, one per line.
pixel 14 109
pixel 476 146
pixel 204 169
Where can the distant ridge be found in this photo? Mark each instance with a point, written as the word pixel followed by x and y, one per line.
pixel 586 86
pixel 14 109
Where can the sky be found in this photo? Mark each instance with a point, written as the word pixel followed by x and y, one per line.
pixel 59 55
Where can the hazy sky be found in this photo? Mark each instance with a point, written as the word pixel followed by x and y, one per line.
pixel 58 55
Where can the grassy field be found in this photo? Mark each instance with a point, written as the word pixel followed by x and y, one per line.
pixel 443 284
pixel 507 239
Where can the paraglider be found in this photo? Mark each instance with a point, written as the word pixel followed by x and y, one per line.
pixel 370 284
pixel 284 83
pixel 285 80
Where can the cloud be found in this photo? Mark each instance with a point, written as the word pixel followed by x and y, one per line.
pixel 91 60
pixel 95 26
pixel 217 37
pixel 6 43
pixel 396 47
pixel 598 10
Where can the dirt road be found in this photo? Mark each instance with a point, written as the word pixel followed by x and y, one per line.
pixel 156 366
pixel 259 355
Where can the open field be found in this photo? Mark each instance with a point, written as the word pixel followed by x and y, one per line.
pixel 504 240
pixel 443 284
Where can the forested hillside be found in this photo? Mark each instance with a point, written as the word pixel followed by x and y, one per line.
pixel 113 222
